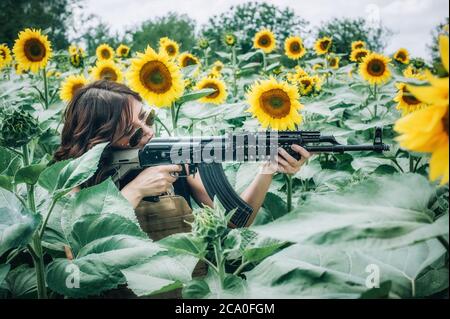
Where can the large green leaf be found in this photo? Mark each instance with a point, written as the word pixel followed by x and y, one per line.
pixel 9 164
pixel 70 174
pixel 103 245
pixel 4 269
pixel 29 174
pixel 305 271
pixel 162 273
pixel 381 212
pixel 103 198
pixel 195 95
pixel 20 283
pixel 185 243
pixel 17 223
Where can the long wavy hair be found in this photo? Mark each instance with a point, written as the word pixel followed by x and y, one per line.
pixel 99 112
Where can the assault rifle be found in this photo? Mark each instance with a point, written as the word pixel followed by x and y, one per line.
pixel 206 153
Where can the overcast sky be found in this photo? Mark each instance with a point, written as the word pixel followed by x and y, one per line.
pixel 410 20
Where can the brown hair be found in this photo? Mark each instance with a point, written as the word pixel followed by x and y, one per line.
pixel 99 112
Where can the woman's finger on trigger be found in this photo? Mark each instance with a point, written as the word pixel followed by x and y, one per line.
pixel 304 153
pixel 291 160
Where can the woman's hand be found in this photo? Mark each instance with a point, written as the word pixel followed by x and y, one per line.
pixel 152 181
pixel 288 164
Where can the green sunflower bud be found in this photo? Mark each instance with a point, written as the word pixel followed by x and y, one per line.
pixel 209 223
pixel 203 43
pixel 230 39
pixel 17 128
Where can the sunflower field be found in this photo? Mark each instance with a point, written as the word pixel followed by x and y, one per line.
pixel 352 225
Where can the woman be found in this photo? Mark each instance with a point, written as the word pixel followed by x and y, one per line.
pixel 106 111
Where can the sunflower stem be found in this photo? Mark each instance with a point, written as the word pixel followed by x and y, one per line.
pixel 38 257
pixel 44 74
pixel 174 117
pixel 233 54
pixel 376 99
pixel 288 178
pixel 205 53
pixel 164 126
pixel 264 62
pixel 411 163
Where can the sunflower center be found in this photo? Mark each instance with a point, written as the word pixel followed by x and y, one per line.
pixel 105 54
pixel 409 99
pixel 360 55
pixel 170 49
pixel 108 74
pixel 212 86
pixel 275 103
pixel 376 67
pixel 401 56
pixel 324 44
pixel 34 50
pixel 333 62
pixel 124 51
pixel 156 77
pixel 295 47
pixel 3 54
pixel 264 41
pixel 306 83
pixel 359 46
pixel 230 39
pixel 187 61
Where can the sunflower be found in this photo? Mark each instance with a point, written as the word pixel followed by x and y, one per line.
pixel 427 130
pixel 323 45
pixel 358 45
pixel 294 77
pixel 294 49
pixel 217 97
pixel 374 68
pixel 264 40
pixel 70 86
pixel 32 50
pixel 156 78
pixel 73 49
pixel 230 39
pixel 107 70
pixel 203 43
pixel 306 85
pixel 104 52
pixel 5 56
pixel 186 59
pixel 317 66
pixel 170 47
pixel 123 51
pixel 402 56
pixel 406 102
pixel 358 55
pixel 275 104
pixel 333 62
pixel 309 85
pixel 214 74
pixel 218 66
pixel 414 73
pixel 76 60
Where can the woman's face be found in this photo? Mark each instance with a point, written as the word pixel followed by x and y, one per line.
pixel 139 117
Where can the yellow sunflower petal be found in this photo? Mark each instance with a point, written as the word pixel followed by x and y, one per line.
pixel 439 164
pixel 443 47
